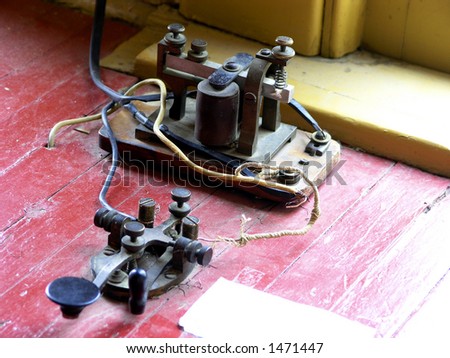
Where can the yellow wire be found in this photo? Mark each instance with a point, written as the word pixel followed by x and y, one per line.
pixel 97 116
pixel 68 122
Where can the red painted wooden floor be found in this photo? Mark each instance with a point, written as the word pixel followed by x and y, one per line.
pixel 379 254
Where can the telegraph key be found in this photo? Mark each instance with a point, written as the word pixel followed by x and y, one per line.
pixel 140 261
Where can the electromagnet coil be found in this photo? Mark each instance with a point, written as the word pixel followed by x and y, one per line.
pixel 216 122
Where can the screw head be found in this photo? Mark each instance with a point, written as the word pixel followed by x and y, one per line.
pixel 284 41
pixel 176 29
pixel 134 229
pixel 283 51
pixel 175 37
pixel 232 66
pixel 180 195
pixel 198 45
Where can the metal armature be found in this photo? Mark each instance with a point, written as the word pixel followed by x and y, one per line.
pixel 140 261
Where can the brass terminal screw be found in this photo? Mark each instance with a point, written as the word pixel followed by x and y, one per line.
pixel 175 36
pixel 198 52
pixel 283 51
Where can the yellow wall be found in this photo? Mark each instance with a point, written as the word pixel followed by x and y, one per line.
pixel 263 20
pixel 343 24
pixel 416 31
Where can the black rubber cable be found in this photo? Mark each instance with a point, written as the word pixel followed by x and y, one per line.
pixel 305 114
pixel 116 97
pixel 94 58
pixel 114 160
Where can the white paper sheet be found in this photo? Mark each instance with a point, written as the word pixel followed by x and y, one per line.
pixel 232 310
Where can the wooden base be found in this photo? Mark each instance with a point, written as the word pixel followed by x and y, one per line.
pixel 138 144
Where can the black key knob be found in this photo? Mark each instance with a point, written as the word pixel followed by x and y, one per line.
pixel 137 282
pixel 204 255
pixel 132 241
pixel 194 251
pixel 180 208
pixel 180 195
pixel 134 229
pixel 72 294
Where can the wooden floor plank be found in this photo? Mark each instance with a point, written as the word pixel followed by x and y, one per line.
pixel 387 293
pixel 42 172
pixel 33 34
pixel 27 129
pixel 329 269
pixel 66 225
pixel 58 88
pixel 26 8
pixel 426 322
pixel 29 30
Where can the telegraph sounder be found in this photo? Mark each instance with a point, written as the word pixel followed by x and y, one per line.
pixel 225 115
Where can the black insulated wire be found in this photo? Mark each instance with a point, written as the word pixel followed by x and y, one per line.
pixel 305 114
pixel 94 58
pixel 114 160
pixel 116 97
